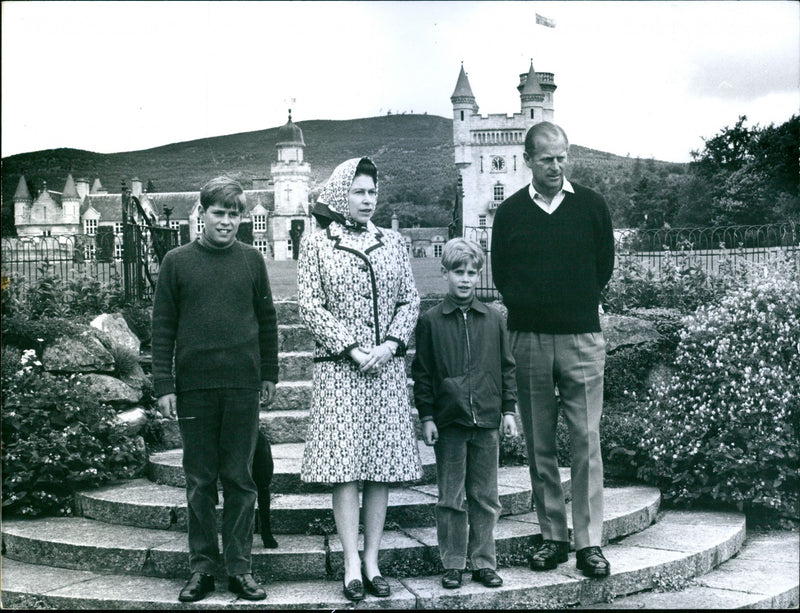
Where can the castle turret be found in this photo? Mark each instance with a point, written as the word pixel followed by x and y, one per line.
pixel 464 107
pixel 82 185
pixel 71 203
pixel 531 97
pixel 22 202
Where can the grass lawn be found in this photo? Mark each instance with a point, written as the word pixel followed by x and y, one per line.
pixel 427 273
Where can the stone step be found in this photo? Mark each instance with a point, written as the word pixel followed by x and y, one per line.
pixel 85 544
pixel 145 504
pixel 166 468
pixel 763 575
pixel 686 544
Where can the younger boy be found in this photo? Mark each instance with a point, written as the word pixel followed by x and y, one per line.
pixel 465 391
pixel 213 310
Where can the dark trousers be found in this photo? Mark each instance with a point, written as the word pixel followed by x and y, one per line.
pixel 469 505
pixel 219 429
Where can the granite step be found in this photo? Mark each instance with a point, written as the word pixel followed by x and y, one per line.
pixel 85 544
pixel 145 504
pixel 765 574
pixel 684 544
pixel 165 467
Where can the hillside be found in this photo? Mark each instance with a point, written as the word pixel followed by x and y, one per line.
pixel 413 152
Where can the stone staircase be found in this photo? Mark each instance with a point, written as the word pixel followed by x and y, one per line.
pixel 127 548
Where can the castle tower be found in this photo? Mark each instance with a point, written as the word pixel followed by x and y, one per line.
pixel 71 203
pixel 22 203
pixel 82 185
pixel 487 150
pixel 292 179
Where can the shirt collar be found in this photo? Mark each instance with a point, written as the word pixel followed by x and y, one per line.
pixel 565 187
pixel 448 306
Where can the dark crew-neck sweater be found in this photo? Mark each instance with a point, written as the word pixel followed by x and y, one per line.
pixel 551 268
pixel 213 308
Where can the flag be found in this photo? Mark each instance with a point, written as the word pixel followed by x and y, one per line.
pixel 544 21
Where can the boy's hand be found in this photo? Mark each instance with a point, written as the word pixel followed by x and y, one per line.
pixel 267 392
pixel 509 425
pixel 167 406
pixel 430 433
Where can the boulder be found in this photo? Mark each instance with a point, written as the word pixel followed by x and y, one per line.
pixel 625 331
pixel 79 352
pixel 109 389
pixel 132 420
pixel 116 328
pixel 136 378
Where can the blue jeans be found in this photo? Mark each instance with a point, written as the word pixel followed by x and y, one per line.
pixel 466 468
pixel 219 429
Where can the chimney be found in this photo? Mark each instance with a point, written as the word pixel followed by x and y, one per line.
pixel 395 222
pixel 82 185
pixel 136 187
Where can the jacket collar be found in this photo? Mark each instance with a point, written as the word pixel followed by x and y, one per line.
pixel 448 306
pixel 346 240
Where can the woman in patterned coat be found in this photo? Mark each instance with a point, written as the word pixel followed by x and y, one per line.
pixel 357 297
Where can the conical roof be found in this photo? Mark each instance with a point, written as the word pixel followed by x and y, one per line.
pixel 22 192
pixel 290 134
pixel 462 90
pixel 532 85
pixel 70 191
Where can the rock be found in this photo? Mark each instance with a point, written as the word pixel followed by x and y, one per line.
pixel 624 331
pixel 81 352
pixel 136 378
pixel 109 389
pixel 133 420
pixel 115 326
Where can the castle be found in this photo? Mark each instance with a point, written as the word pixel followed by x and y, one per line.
pixel 278 207
pixel 488 150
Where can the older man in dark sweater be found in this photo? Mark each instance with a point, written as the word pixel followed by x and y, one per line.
pixel 213 310
pixel 552 254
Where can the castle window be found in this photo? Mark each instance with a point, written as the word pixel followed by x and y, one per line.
pixel 531 113
pixel 262 245
pixel 47 233
pixel 200 225
pixel 118 228
pixel 437 251
pixel 481 221
pixel 174 224
pixel 117 249
pixel 90 227
pixel 499 190
pixel 259 223
pixel 462 115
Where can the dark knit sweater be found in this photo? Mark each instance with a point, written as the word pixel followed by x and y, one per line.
pixel 213 308
pixel 550 269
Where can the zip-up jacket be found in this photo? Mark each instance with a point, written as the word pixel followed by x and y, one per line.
pixel 463 369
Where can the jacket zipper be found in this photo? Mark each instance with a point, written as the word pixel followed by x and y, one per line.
pixel 469 369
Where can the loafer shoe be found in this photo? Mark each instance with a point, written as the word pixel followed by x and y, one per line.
pixel 246 587
pixel 592 562
pixel 487 576
pixel 377 586
pixel 197 587
pixel 451 579
pixel 549 555
pixel 354 590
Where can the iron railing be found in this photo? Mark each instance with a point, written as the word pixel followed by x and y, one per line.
pixel 706 247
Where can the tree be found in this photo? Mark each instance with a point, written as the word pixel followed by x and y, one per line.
pixel 151 187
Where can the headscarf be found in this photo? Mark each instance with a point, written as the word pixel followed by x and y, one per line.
pixel 333 203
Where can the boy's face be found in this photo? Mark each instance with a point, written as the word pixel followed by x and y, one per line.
pixel 461 281
pixel 221 224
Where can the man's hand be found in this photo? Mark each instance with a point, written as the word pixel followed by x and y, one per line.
pixel 268 390
pixel 430 433
pixel 167 406
pixel 509 425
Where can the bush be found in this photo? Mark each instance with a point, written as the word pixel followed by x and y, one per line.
pixel 57 438
pixel 724 428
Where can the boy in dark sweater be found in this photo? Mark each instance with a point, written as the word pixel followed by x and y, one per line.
pixel 464 390
pixel 213 311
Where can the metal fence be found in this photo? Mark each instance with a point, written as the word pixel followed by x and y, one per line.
pixel 705 247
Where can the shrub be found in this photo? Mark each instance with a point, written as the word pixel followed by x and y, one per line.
pixel 57 438
pixel 724 428
pixel 139 320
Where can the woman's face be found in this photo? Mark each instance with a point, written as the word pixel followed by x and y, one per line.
pixel 362 198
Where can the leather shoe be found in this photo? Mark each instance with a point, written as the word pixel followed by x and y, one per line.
pixel 197 587
pixel 451 579
pixel 377 586
pixel 246 587
pixel 354 590
pixel 487 576
pixel 592 562
pixel 549 555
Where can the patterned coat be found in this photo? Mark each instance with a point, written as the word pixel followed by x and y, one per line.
pixel 355 288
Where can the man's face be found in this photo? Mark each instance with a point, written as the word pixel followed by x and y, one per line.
pixel 221 224
pixel 547 164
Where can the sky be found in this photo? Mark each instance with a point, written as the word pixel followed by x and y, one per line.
pixel 638 78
